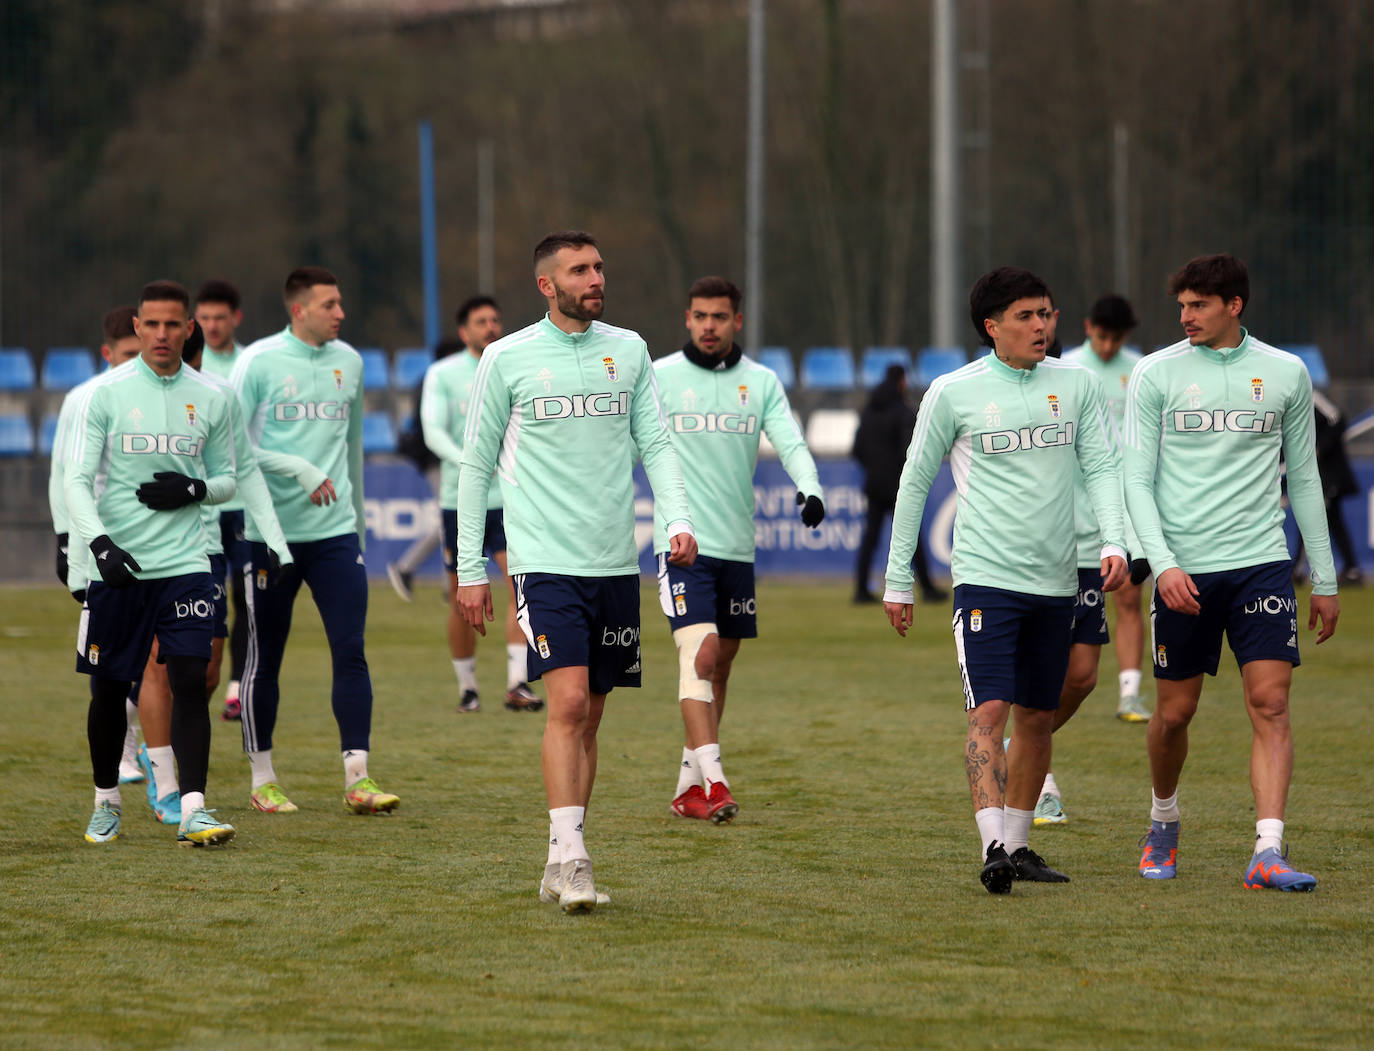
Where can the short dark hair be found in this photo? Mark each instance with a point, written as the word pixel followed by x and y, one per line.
pixel 165 291
pixel 471 304
pixel 559 239
pixel 194 345
pixel 1113 312
pixel 304 278
pixel 445 347
pixel 1213 275
pixel 219 291
pixel 995 291
pixel 714 288
pixel 119 324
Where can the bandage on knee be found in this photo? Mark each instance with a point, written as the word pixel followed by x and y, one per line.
pixel 691 686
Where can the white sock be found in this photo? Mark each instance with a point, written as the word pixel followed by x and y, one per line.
pixel 688 772
pixel 355 766
pixel 1268 834
pixel 231 692
pixel 108 795
pixel 991 822
pixel 708 759
pixel 555 857
pixel 516 669
pixel 1130 682
pixel 1017 828
pixel 130 756
pixel 1050 787
pixel 567 826
pixel 466 670
pixel 261 762
pixel 191 802
pixel 1165 810
pixel 164 770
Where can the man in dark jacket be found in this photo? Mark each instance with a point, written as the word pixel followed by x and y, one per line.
pixel 880 445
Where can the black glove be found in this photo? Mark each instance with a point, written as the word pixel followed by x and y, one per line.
pixel 62 539
pixel 113 562
pixel 80 596
pixel 1140 569
pixel 277 574
pixel 813 511
pixel 169 490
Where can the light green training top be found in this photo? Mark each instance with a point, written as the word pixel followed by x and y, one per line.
pixel 128 424
pixel 303 407
pixel 561 417
pixel 715 416
pixel 222 365
pixel 1015 438
pixel 444 399
pixel 57 467
pixel 1204 431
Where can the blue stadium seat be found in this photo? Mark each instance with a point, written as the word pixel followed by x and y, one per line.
pixel 827 368
pixel 875 364
pixel 376 369
pixel 65 367
pixel 934 362
pixel 1311 355
pixel 779 359
pixel 16 435
pixel 409 367
pixel 47 433
pixel 16 369
pixel 379 433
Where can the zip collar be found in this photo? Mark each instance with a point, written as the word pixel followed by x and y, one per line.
pixel 147 372
pixel 568 339
pixel 1003 371
pixel 710 361
pixel 1227 355
pixel 296 343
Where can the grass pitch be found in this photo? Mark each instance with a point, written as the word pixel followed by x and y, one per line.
pixel 841 909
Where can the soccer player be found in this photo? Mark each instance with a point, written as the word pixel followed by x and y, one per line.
pixel 718 402
pixel 1017 427
pixel 219 314
pixel 443 413
pixel 147 442
pixel 1206 421
pixel 562 409
pixel 1105 354
pixel 301 393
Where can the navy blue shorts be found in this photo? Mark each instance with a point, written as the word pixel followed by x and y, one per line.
pixel 493 540
pixel 118 624
pixel 1012 646
pixel 1090 610
pixel 1255 607
pixel 581 621
pixel 231 538
pixel 709 591
pixel 219 571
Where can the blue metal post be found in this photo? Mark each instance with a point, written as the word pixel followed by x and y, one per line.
pixel 429 252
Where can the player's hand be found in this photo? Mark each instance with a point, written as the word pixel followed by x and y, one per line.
pixel 62 540
pixel 1178 591
pixel 474 600
pixel 278 573
pixel 114 562
pixel 169 490
pixel 1140 570
pixel 900 615
pixel 1115 572
pixel 324 495
pixel 682 549
pixel 812 510
pixel 1327 609
pixel 80 596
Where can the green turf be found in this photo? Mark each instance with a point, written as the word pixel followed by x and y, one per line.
pixel 841 909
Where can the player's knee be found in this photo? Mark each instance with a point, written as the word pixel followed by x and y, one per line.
pixel 1080 682
pixel 696 667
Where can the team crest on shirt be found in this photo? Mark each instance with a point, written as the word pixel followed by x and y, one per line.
pixel 191 415
pixel 1055 410
pixel 541 643
pixel 610 369
pixel 743 394
pixel 975 620
pixel 338 379
pixel 1257 389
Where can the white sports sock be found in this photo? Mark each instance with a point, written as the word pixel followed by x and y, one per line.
pixel 688 772
pixel 355 766
pixel 991 822
pixel 261 762
pixel 1050 787
pixel 107 795
pixel 466 670
pixel 231 692
pixel 1130 682
pixel 191 802
pixel 1268 834
pixel 708 759
pixel 164 770
pixel 555 857
pixel 516 669
pixel 130 756
pixel 1165 810
pixel 567 826
pixel 1017 828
